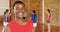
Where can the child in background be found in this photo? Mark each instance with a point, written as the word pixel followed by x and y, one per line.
pixel 6 14
pixel 5 21
pixel 48 19
pixel 24 15
pixel 34 18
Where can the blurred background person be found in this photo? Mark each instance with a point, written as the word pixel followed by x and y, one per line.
pixel 5 20
pixel 48 19
pixel 34 19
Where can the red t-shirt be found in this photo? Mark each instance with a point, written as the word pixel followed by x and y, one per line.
pixel 15 27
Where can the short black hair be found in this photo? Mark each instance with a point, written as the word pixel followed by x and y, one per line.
pixel 18 2
pixel 34 11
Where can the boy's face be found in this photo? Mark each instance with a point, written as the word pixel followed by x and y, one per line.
pixel 19 10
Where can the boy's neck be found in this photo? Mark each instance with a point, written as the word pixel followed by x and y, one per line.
pixel 21 21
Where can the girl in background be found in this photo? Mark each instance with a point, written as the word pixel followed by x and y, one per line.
pixel 48 19
pixel 34 18
pixel 6 14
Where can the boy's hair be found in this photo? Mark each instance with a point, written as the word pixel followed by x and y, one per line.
pixel 18 2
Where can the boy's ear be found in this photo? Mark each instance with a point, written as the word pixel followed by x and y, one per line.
pixel 14 9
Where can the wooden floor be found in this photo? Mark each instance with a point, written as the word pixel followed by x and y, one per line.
pixel 53 28
pixel 1 26
pixel 39 28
